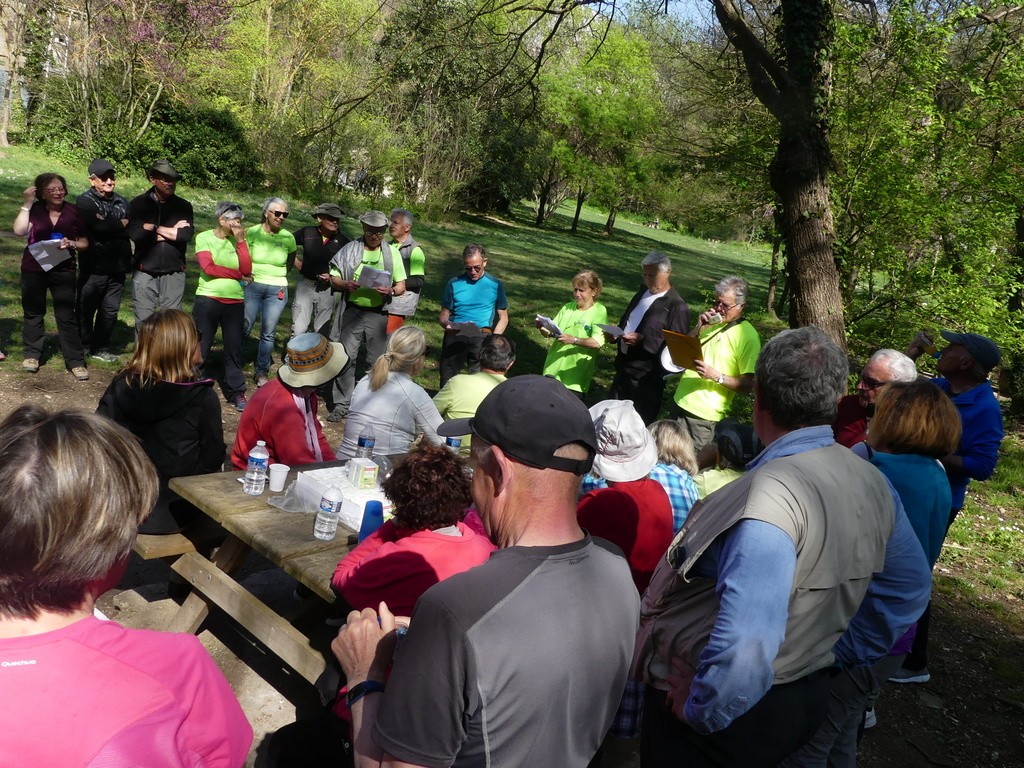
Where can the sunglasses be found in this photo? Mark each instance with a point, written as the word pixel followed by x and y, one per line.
pixel 279 214
pixel 870 383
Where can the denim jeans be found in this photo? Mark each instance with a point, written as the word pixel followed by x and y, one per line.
pixel 267 301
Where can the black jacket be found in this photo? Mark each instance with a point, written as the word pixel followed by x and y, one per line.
pixel 161 257
pixel 670 311
pixel 179 425
pixel 110 249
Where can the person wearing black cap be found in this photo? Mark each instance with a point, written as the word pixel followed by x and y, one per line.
pixel 963 367
pixel 521 660
pixel 160 225
pixel 314 298
pixel 102 268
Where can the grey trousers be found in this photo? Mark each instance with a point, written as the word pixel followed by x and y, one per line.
pixel 311 304
pixel 701 430
pixel 358 327
pixel 153 292
pixel 853 690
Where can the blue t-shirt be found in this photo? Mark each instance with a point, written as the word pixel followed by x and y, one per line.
pixel 474 302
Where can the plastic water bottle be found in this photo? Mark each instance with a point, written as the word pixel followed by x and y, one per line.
pixel 454 444
pixel 373 518
pixel 367 439
pixel 326 524
pixel 256 472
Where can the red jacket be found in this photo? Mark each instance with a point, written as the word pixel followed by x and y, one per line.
pixel 271 415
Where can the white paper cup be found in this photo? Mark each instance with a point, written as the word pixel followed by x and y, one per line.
pixel 278 474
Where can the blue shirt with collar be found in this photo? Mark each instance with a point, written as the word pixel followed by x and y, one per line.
pixel 982 422
pixel 754 564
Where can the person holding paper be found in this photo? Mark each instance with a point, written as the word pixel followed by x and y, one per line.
pixel 271 246
pixel 58 229
pixel 730 346
pixel 572 357
pixel 638 373
pixel 473 303
pixel 362 317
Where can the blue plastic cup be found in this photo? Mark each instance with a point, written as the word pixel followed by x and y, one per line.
pixel 373 518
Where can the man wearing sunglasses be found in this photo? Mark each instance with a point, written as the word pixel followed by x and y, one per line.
pixel 361 319
pixel 851 424
pixel 104 266
pixel 473 297
pixel 160 224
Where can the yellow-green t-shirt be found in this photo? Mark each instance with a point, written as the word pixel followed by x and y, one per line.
pixel 270 254
pixel 572 365
pixel 732 351
pixel 368 297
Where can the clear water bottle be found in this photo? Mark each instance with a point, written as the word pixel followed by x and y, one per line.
pixel 326 525
pixel 367 439
pixel 384 468
pixel 373 518
pixel 256 472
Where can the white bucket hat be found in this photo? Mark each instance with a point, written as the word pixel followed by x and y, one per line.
pixel 625 449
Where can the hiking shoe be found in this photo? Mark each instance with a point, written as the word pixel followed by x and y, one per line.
pixel 911 676
pixel 30 364
pixel 870 721
pixel 239 402
pixel 261 379
pixel 106 357
pixel 80 373
pixel 338 414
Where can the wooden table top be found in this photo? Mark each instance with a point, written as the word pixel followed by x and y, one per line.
pixel 284 538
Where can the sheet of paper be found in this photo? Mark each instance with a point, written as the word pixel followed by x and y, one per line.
pixel 49 253
pixel 612 330
pixel 549 325
pixel 683 349
pixel 374 278
pixel 467 330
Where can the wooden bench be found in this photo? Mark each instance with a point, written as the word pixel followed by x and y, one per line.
pixel 154 546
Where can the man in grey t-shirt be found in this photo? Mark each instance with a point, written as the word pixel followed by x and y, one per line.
pixel 521 660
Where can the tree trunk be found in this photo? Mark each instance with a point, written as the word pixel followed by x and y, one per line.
pixel 581 198
pixel 773 277
pixel 542 203
pixel 610 224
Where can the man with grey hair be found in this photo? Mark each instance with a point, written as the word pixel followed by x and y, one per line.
pixel 315 300
pixel 806 560
pixel 729 346
pixel 638 373
pixel 404 306
pixel 851 424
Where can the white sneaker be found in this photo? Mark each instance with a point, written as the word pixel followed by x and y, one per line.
pixel 870 721
pixel 911 676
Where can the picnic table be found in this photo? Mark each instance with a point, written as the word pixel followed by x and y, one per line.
pixel 284 538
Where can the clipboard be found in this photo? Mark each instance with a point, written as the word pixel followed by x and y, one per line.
pixel 682 349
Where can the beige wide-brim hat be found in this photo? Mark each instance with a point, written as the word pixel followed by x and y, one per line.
pixel 311 360
pixel 625 449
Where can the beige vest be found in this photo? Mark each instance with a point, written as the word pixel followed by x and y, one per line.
pixel 837 509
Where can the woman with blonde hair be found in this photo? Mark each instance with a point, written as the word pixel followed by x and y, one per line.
pixel 76 486
pixel 572 357
pixel 175 414
pixel 389 402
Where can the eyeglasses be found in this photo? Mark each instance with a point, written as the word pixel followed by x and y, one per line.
pixel 105 177
pixel 279 214
pixel 55 191
pixel 475 267
pixel 723 306
pixel 870 383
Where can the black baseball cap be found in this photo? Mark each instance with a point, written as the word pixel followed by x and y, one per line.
pixel 99 167
pixel 529 418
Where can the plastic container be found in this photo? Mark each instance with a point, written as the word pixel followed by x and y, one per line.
pixel 326 525
pixel 454 444
pixel 364 448
pixel 256 471
pixel 373 518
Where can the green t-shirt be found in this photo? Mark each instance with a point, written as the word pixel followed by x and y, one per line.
pixel 270 254
pixel 367 297
pixel 223 253
pixel 732 351
pixel 572 365
pixel 461 396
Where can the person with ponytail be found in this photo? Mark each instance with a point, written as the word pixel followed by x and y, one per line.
pixel 390 402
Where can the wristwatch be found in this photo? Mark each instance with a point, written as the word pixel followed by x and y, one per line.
pixel 721 378
pixel 356 692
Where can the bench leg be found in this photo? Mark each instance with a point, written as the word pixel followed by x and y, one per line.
pixel 190 616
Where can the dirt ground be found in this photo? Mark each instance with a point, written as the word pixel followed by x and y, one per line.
pixel 970 714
